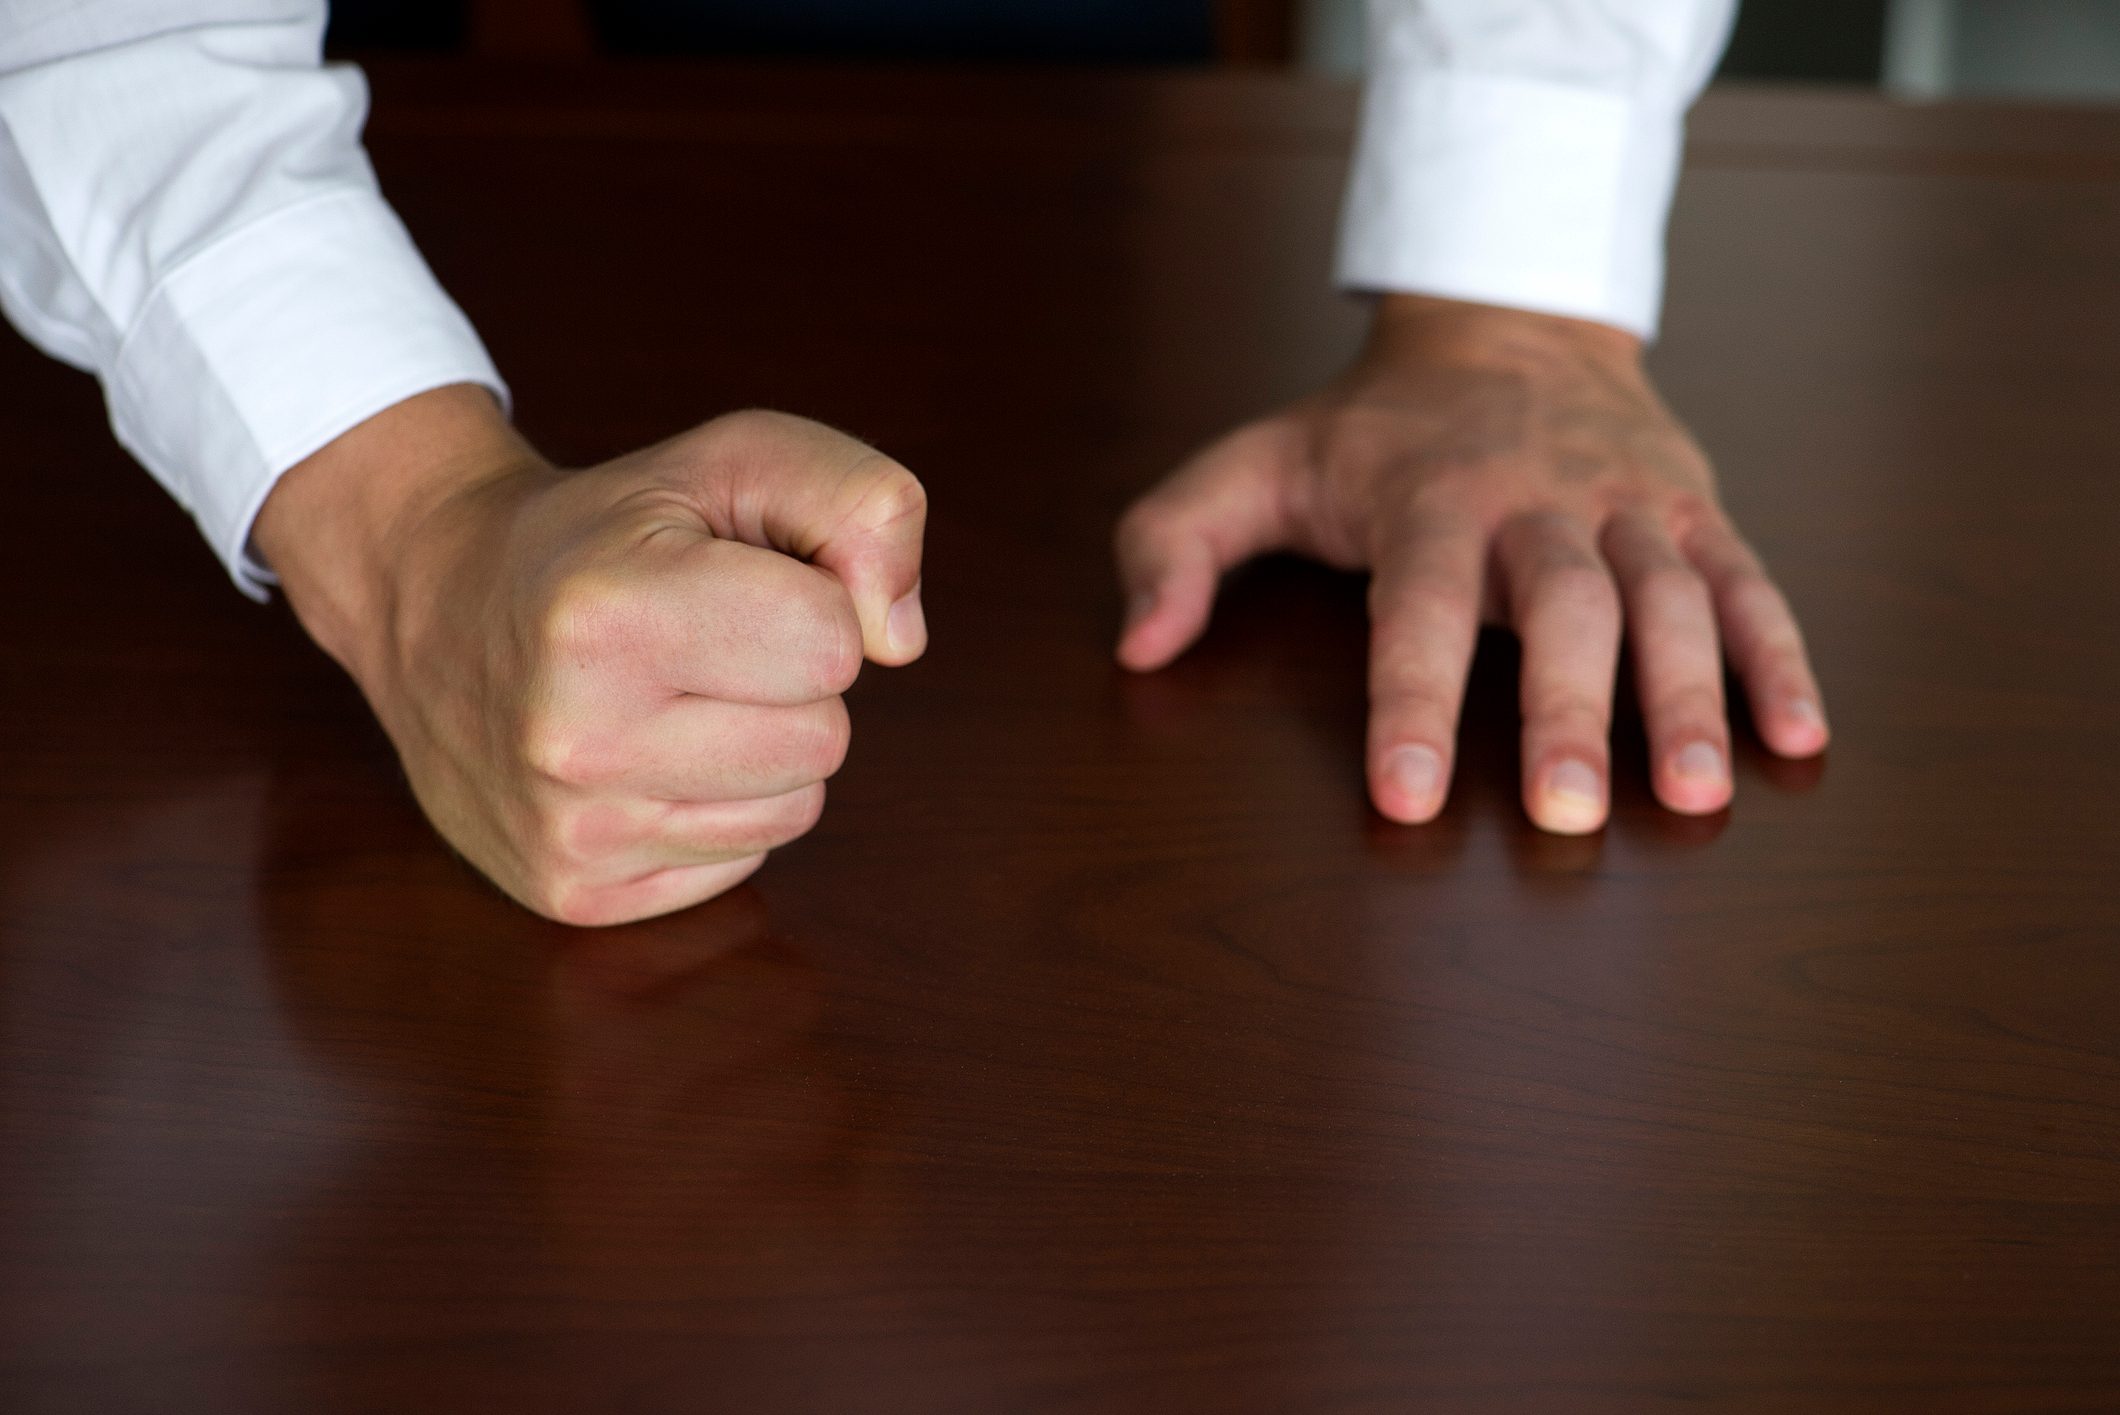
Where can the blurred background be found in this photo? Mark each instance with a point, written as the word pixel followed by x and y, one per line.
pixel 2065 50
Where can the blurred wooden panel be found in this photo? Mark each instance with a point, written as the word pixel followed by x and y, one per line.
pixel 1255 31
pixel 530 29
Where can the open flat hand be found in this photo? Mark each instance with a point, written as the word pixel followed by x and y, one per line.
pixel 614 690
pixel 1488 461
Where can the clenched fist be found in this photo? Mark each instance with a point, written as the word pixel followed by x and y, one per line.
pixel 614 690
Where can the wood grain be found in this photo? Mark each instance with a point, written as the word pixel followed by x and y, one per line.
pixel 1101 1050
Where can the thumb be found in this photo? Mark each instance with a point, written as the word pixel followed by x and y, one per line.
pixel 1173 545
pixel 874 547
pixel 814 492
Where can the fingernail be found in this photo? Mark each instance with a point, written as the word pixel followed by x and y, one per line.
pixel 1805 711
pixel 906 625
pixel 1575 797
pixel 1701 761
pixel 1415 770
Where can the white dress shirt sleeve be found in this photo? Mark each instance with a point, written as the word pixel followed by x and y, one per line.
pixel 186 211
pixel 1524 152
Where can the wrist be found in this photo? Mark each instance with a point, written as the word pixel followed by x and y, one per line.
pixel 359 530
pixel 1430 328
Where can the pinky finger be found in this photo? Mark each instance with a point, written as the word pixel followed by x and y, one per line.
pixel 1762 640
pixel 659 891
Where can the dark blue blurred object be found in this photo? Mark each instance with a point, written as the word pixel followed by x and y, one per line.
pixel 1139 31
pixel 396 24
pixel 1052 30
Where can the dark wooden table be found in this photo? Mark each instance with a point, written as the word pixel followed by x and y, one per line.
pixel 1101 1051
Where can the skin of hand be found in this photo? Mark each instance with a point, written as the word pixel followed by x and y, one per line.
pixel 614 689
pixel 1485 462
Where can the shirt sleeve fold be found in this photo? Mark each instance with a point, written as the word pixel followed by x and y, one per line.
pixel 186 211
pixel 1524 152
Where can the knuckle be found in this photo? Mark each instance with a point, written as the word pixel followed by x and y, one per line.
pixel 762 424
pixel 834 660
pixel 1575 581
pixel 809 745
pixel 807 619
pixel 1566 708
pixel 1546 530
pixel 1671 587
pixel 580 618
pixel 555 888
pixel 1418 595
pixel 1686 512
pixel 577 835
pixel 574 901
pixel 1416 712
pixel 1754 597
pixel 1696 705
pixel 564 754
pixel 829 736
pixel 774 823
pixel 1787 645
pixel 1148 522
pixel 895 494
pixel 1453 496
pixel 828 639
pixel 1261 439
pixel 1403 673
pixel 549 751
pixel 804 809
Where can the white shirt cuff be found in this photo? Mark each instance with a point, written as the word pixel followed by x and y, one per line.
pixel 267 344
pixel 1512 191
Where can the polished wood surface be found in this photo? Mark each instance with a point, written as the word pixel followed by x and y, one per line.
pixel 1101 1050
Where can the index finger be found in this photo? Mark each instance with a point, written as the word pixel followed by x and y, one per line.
pixel 1424 612
pixel 818 494
pixel 692 614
